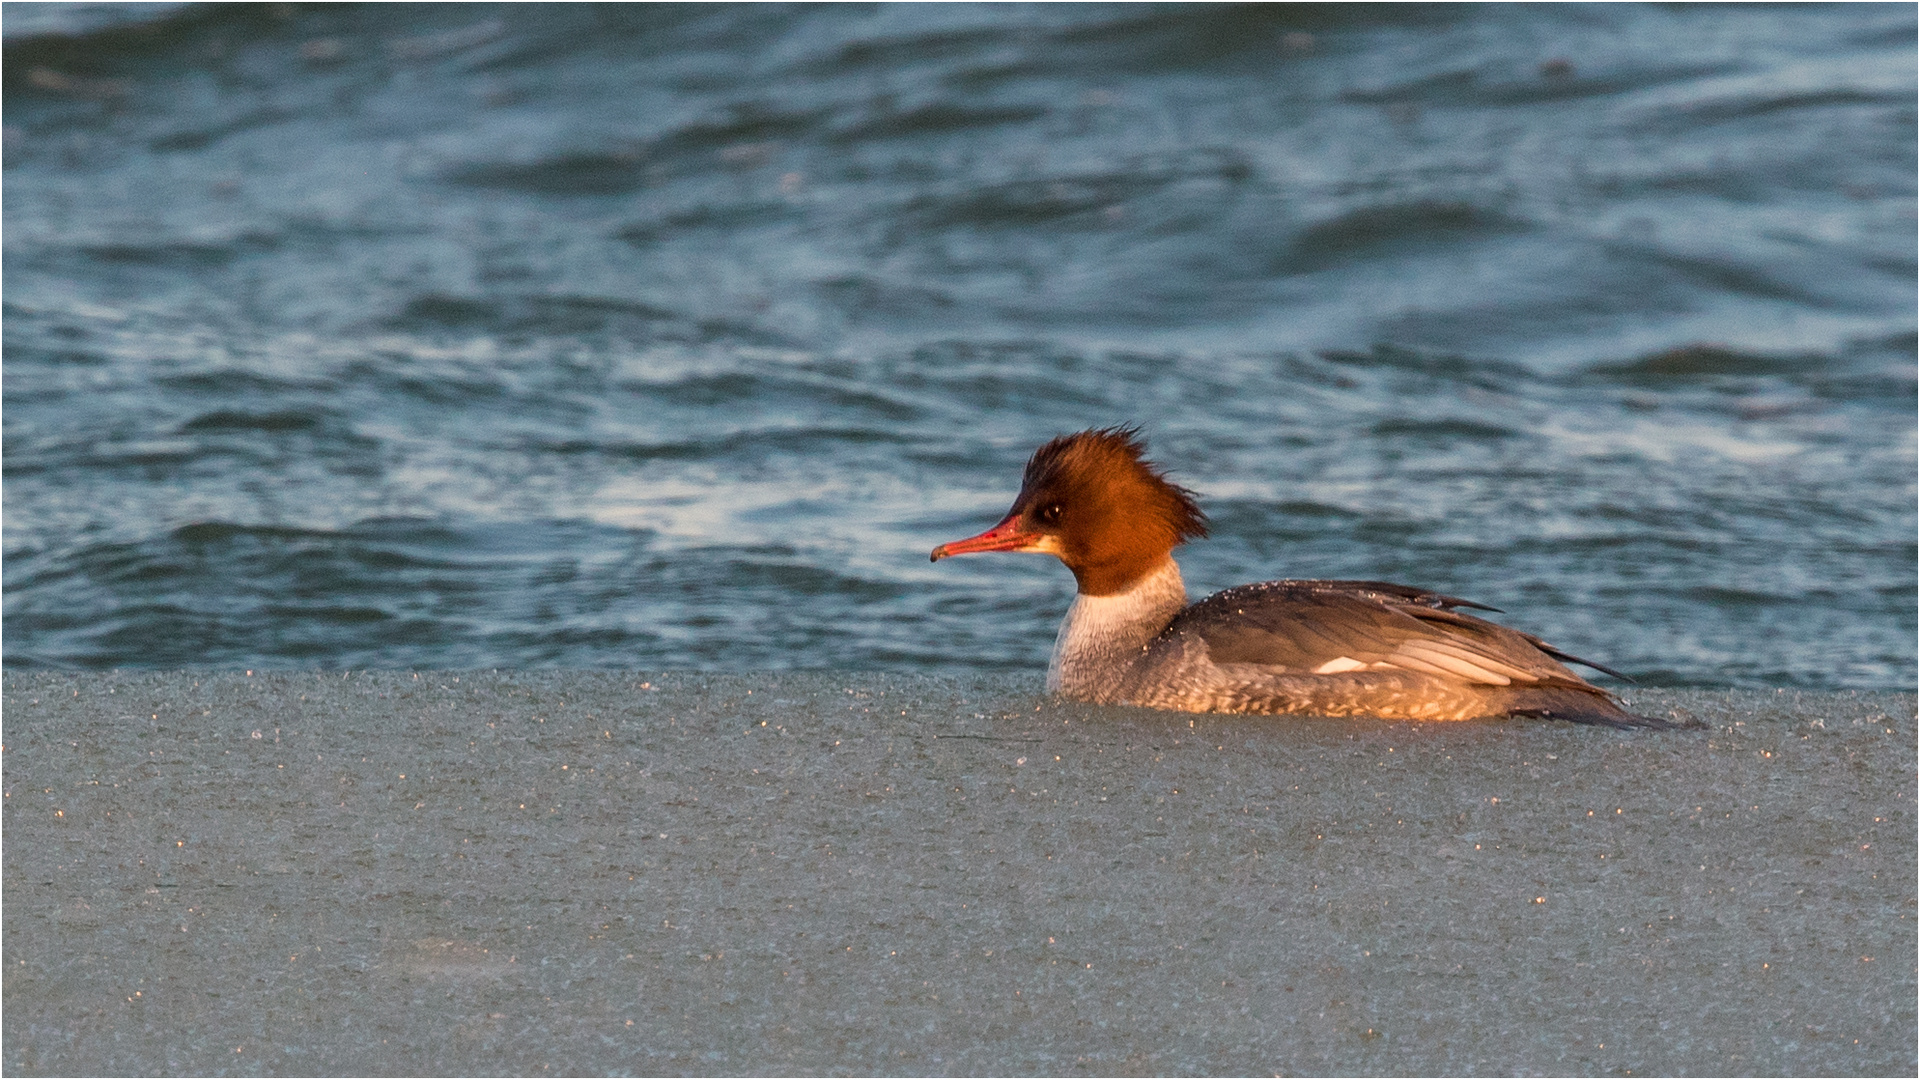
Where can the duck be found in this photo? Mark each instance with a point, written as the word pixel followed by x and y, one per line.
pixel 1341 648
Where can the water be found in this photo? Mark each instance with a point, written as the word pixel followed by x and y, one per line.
pixel 642 337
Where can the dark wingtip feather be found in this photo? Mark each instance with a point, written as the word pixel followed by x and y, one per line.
pixel 1567 657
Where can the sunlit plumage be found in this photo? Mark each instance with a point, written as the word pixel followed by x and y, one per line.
pixel 1339 648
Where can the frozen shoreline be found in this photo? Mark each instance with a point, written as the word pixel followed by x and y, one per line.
pixel 875 873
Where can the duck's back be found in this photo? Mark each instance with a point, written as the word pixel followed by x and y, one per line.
pixel 1361 648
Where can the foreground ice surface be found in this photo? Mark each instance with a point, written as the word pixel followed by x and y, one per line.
pixel 853 873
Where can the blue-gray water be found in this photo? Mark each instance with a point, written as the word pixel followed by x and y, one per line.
pixel 470 336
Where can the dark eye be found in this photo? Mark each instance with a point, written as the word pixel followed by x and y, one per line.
pixel 1049 514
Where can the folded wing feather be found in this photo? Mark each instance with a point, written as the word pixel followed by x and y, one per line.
pixel 1327 627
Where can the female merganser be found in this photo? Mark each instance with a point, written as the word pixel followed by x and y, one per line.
pixel 1327 648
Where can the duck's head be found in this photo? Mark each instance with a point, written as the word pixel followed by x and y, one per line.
pixel 1093 500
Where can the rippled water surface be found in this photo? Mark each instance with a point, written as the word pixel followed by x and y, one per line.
pixel 646 336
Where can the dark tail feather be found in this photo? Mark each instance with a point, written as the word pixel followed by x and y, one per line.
pixel 1585 707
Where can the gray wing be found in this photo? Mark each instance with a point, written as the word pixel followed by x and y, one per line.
pixel 1329 627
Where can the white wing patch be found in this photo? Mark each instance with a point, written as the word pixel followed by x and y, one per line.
pixel 1442 658
pixel 1452 660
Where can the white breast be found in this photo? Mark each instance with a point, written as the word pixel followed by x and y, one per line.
pixel 1102 635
